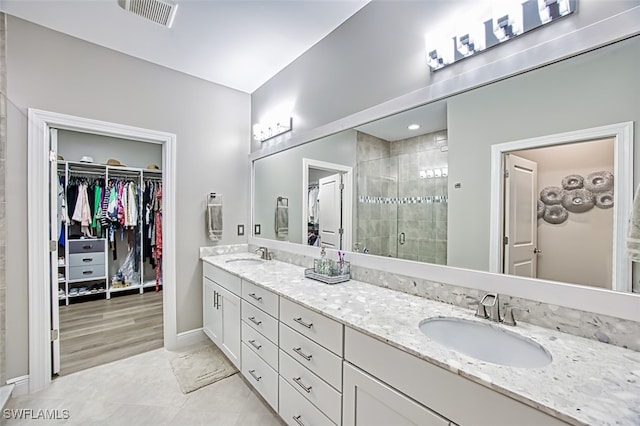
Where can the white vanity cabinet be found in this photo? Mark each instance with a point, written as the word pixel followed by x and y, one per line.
pixel 260 311
pixel 221 310
pixel 399 388
pixel 311 347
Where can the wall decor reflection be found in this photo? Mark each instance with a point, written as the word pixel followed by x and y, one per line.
pixel 577 195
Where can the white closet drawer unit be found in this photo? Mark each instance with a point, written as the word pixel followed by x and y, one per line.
pixel 266 349
pixel 86 259
pixel 260 297
pixel 260 320
pixel 262 377
pixel 86 272
pixel 223 278
pixel 312 387
pixel 313 356
pixel 86 246
pixel 315 326
pixel 297 411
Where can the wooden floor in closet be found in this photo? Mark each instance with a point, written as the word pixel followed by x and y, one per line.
pixel 100 331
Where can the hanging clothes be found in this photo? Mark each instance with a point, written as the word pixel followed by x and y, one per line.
pixel 82 212
pixel 158 234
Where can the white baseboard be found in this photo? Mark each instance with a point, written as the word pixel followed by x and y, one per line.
pixel 191 337
pixel 21 385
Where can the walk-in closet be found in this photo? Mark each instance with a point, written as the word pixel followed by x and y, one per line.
pixel 109 251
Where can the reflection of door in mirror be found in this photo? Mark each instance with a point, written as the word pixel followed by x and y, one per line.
pixel 326 204
pixel 574 232
pixel 402 197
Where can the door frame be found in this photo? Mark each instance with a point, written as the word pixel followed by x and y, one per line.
pixel 622 134
pixel 38 163
pixel 347 197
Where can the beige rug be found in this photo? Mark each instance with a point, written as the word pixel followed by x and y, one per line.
pixel 200 366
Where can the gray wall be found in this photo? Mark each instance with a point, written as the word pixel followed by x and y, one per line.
pixel 281 175
pixel 51 71
pixel 379 54
pixel 590 90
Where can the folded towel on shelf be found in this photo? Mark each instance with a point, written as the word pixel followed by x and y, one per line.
pixel 633 235
pixel 282 217
pixel 214 217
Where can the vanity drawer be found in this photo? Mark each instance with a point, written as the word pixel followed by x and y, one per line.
pixel 312 387
pixel 86 259
pixel 260 297
pixel 315 326
pixel 261 321
pixel 262 377
pixel 295 410
pixel 90 272
pixel 223 278
pixel 313 356
pixel 86 246
pixel 266 349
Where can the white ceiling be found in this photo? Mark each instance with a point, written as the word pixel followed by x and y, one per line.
pixel 431 117
pixel 240 44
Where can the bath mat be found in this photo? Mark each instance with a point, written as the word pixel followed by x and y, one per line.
pixel 200 366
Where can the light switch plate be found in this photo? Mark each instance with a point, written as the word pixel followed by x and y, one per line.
pixel 240 230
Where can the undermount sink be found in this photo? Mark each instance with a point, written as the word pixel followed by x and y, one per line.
pixel 486 342
pixel 245 261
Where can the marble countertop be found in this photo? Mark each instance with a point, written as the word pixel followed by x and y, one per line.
pixel 587 383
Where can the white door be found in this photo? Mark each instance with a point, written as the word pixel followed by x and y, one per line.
pixel 230 306
pixel 212 315
pixel 54 234
pixel 330 211
pixel 520 217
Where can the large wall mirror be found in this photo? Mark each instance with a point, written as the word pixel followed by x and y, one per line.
pixel 421 186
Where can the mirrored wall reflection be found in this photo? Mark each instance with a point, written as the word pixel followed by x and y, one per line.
pixel 402 197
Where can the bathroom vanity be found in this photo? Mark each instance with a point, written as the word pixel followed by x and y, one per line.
pixel 354 354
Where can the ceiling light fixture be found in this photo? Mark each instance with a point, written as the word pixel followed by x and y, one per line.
pixel 272 128
pixel 486 27
pixel 413 126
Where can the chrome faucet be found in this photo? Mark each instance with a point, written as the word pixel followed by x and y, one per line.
pixel 491 301
pixel 264 253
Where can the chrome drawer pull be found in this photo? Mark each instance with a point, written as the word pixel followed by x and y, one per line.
pixel 258 298
pixel 87 259
pixel 299 383
pixel 297 419
pixel 253 320
pixel 254 344
pixel 299 321
pixel 88 246
pixel 253 373
pixel 302 354
pixel 87 272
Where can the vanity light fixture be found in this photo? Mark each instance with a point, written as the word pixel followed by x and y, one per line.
pixel 487 27
pixel 445 171
pixel 271 129
pixel 437 173
pixel 413 126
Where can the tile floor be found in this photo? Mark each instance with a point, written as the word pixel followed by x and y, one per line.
pixel 142 390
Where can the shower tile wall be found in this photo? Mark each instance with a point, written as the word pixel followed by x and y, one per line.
pixel 398 198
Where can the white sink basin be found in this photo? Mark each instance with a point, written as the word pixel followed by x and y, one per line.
pixel 245 261
pixel 486 342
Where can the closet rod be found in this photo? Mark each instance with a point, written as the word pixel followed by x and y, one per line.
pixel 85 172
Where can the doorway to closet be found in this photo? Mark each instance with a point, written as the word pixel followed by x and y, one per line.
pixel 107 277
pixel 42 247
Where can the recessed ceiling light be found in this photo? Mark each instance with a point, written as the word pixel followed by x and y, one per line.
pixel 413 127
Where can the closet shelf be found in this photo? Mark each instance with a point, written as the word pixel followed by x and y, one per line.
pixel 131 287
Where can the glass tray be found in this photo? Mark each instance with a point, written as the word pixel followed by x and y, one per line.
pixel 336 279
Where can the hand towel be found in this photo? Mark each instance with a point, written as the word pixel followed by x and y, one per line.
pixel 214 218
pixel 633 235
pixel 282 218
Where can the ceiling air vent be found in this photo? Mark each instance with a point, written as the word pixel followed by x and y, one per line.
pixel 158 11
